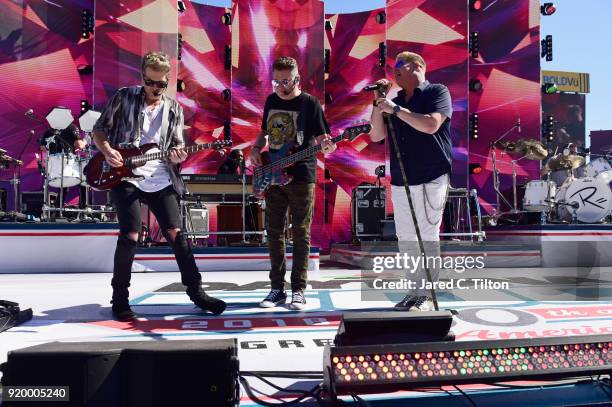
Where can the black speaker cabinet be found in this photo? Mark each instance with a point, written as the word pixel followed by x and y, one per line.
pixel 134 374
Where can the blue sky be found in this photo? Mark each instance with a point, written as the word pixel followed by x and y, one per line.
pixel 581 38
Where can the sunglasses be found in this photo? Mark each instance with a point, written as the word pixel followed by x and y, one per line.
pixel 285 82
pixel 400 64
pixel 157 84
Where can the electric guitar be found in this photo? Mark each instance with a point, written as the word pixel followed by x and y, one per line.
pixel 273 170
pixel 101 176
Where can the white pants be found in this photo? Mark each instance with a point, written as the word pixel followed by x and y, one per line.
pixel 428 201
pixel 428 209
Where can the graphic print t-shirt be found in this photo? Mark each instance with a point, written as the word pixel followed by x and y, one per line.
pixel 283 124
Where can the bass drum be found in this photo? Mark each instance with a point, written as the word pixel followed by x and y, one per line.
pixel 588 199
pixel 594 168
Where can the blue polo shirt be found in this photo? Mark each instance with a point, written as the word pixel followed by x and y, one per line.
pixel 425 156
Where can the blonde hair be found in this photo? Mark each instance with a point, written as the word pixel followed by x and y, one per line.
pixel 408 56
pixel 157 61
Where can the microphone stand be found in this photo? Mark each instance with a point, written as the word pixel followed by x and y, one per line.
pixel 16 181
pixel 391 131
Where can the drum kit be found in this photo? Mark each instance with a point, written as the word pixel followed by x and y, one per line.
pixel 65 168
pixel 573 191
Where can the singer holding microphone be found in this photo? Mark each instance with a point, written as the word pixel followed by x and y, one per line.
pixel 420 116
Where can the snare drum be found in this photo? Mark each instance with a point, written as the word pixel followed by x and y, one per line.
pixel 71 170
pixel 538 196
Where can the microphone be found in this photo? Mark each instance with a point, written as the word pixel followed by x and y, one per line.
pixel 29 112
pixel 518 124
pixel 372 87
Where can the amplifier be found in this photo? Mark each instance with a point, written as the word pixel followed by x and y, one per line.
pixel 368 208
pixel 196 220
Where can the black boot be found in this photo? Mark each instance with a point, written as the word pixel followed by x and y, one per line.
pixel 199 297
pixel 122 271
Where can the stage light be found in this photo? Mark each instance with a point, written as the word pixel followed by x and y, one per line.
pixel 227 95
pixel 381 17
pixel 475 169
pixel 227 57
pixel 382 54
pixel 548 128
pixel 475 5
pixel 473 126
pixel 387 368
pixel 180 85
pixel 547 48
pixel 328 25
pixel 328 98
pixel 474 44
pixel 85 106
pixel 475 85
pixel 227 131
pixel 549 88
pixel 179 46
pixel 327 61
pixel 226 18
pixel 181 6
pixel 548 9
pixel 87 23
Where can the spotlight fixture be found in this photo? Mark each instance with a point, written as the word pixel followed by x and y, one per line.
pixel 473 126
pixel 475 85
pixel 548 9
pixel 547 48
pixel 326 60
pixel 226 18
pixel 382 54
pixel 181 6
pixel 474 44
pixel 180 85
pixel 227 130
pixel 328 25
pixel 381 17
pixel 548 128
pixel 475 168
pixel 475 5
pixel 549 88
pixel 227 95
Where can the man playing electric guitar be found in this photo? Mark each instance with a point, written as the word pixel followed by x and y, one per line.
pixel 291 117
pixel 136 116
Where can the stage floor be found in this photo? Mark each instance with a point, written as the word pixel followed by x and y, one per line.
pixel 75 307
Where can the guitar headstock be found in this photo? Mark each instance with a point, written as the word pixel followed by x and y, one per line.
pixel 350 133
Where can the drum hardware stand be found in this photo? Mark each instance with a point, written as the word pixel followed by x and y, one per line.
pixel 496 182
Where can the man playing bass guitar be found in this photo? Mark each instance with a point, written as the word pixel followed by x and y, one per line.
pixel 291 118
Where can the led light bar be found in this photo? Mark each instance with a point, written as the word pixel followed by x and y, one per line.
pixel 384 368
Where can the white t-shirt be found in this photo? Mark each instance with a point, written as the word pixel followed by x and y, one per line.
pixel 155 172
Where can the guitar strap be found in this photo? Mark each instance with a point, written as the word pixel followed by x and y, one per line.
pixel 301 122
pixel 163 142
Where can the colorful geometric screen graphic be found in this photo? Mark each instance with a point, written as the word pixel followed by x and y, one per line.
pixel 224 76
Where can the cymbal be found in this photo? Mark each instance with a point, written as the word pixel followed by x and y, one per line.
pixel 532 149
pixel 508 146
pixel 565 162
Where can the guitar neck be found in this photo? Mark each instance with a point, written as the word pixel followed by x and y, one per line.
pixel 164 154
pixel 300 155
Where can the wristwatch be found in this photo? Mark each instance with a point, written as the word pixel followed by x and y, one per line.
pixel 396 109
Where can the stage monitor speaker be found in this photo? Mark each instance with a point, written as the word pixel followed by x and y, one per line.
pixel 388 327
pixel 196 220
pixel 133 373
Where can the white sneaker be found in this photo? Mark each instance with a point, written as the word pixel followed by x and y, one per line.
pixel 298 301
